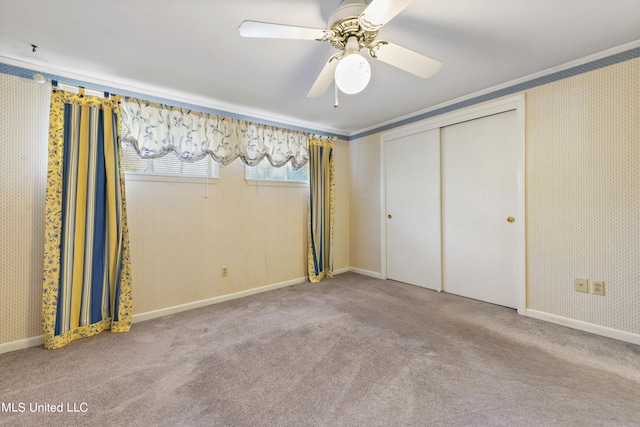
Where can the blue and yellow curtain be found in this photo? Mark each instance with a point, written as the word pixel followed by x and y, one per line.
pixel 321 209
pixel 87 283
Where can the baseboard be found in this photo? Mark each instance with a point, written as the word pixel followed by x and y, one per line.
pixel 203 303
pixel 584 326
pixel 366 272
pixel 39 340
pixel 564 321
pixel 21 344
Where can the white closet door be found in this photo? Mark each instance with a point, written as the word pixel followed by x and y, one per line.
pixel 479 199
pixel 413 209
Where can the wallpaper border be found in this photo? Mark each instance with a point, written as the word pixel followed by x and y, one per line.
pixel 28 73
pixel 510 90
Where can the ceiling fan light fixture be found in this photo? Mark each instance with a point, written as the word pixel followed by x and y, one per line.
pixel 352 73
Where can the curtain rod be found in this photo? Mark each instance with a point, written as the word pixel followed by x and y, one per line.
pixel 80 89
pixel 182 102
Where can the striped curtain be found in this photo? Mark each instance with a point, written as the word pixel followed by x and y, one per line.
pixel 321 209
pixel 87 285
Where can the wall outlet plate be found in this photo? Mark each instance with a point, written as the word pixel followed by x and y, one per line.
pixel 598 287
pixel 582 285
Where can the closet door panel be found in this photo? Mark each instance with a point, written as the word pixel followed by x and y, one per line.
pixel 479 208
pixel 413 209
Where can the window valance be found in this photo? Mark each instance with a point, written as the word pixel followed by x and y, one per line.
pixel 156 130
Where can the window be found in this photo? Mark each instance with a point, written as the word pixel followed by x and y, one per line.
pixel 168 166
pixel 264 172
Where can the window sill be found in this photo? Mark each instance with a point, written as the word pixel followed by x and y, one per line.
pixel 136 176
pixel 274 183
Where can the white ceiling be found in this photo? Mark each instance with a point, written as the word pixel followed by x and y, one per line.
pixel 191 51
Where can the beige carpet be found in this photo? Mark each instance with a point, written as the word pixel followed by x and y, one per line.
pixel 352 351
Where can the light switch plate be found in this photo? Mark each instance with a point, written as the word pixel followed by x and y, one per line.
pixel 582 285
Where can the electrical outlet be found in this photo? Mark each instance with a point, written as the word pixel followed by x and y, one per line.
pixel 598 287
pixel 582 285
pixel 224 272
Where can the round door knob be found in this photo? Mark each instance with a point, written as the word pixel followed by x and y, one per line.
pixel 389 216
pixel 511 219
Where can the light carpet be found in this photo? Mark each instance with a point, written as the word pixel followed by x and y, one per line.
pixel 351 351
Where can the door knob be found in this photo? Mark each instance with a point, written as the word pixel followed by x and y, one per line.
pixel 511 219
pixel 389 216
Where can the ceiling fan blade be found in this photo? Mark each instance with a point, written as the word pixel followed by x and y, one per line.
pixel 407 60
pixel 324 80
pixel 279 31
pixel 379 12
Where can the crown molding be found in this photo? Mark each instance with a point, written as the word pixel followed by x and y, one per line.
pixel 415 116
pixel 168 95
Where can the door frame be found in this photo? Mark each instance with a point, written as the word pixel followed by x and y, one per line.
pixel 511 103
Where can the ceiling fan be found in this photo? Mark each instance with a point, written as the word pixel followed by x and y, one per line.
pixel 353 26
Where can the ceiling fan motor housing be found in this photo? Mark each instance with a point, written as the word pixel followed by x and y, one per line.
pixel 344 23
pixel 347 9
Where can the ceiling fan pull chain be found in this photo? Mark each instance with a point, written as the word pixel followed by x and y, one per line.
pixel 336 104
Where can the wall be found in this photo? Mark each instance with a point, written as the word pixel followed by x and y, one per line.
pixel 583 188
pixel 180 239
pixel 364 157
pixel 23 177
pixel 582 197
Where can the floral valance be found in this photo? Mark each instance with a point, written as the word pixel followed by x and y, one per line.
pixel 156 130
